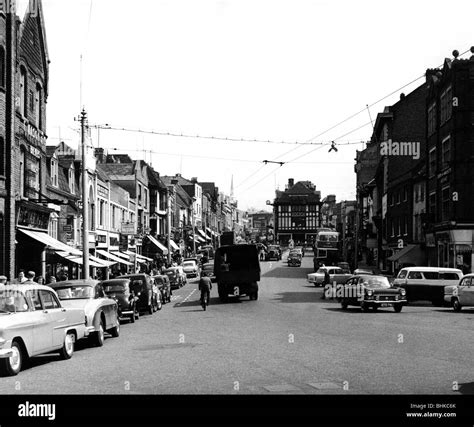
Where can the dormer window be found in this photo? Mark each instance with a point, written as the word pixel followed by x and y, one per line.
pixel 54 172
pixel 72 187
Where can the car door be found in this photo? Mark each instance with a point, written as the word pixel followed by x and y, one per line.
pixel 464 291
pixel 57 316
pixel 104 303
pixel 42 336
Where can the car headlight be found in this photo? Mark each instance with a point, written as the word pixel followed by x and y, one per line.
pixel 403 292
pixel 370 292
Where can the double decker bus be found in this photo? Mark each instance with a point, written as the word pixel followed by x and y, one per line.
pixel 327 248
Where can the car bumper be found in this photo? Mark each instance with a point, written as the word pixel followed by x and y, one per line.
pixel 383 302
pixel 6 353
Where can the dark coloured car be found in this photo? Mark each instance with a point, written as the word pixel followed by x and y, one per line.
pixel 176 277
pixel 121 291
pixel 207 270
pixel 163 283
pixel 294 258
pixel 142 285
pixel 273 252
pixel 371 291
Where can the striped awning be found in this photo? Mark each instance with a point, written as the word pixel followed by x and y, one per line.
pixel 113 257
pixel 158 244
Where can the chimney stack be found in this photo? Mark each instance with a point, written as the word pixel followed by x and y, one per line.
pixel 291 182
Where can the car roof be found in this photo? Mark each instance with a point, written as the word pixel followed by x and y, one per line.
pixel 369 276
pixel 23 287
pixel 79 282
pixel 116 281
pixel 457 270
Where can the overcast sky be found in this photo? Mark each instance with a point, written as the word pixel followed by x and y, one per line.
pixel 272 70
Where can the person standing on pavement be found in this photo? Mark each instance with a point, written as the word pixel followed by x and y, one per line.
pixel 21 277
pixel 205 286
pixel 3 281
pixel 30 278
pixel 326 282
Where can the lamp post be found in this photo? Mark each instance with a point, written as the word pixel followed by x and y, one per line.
pixel 192 225
pixel 169 227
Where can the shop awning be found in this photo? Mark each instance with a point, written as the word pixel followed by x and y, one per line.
pixel 126 257
pixel 410 254
pixel 142 257
pixel 174 245
pixel 104 262
pixel 113 257
pixel 201 233
pixel 158 245
pixel 78 259
pixel 51 242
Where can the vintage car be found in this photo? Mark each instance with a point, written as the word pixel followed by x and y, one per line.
pixel 149 300
pixel 294 258
pixel 273 252
pixel 176 276
pixel 207 270
pixel 371 291
pixel 162 281
pixel 122 292
pixel 33 322
pixel 101 311
pixel 462 294
pixel 336 274
pixel 191 267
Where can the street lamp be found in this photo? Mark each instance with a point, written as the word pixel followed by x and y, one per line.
pixel 192 225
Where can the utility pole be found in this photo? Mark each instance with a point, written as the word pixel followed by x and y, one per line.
pixel 85 204
pixel 192 225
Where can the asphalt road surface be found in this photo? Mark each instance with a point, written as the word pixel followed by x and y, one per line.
pixel 288 342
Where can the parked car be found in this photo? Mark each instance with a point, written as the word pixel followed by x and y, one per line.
pixel 346 268
pixel 191 268
pixel 358 271
pixel 427 283
pixel 33 322
pixel 294 258
pixel 336 274
pixel 208 271
pixel 371 291
pixel 462 294
pixel 122 292
pixel 176 276
pixel 143 287
pixel 101 311
pixel 273 252
pixel 163 283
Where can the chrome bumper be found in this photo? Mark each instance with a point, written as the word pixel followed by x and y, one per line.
pixel 6 353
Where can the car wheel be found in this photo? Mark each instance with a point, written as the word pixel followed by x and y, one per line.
pixel 137 313
pixel 344 305
pixel 457 305
pixel 115 331
pixel 98 337
pixel 397 308
pixel 67 349
pixel 12 365
pixel 375 307
pixel 132 317
pixel 159 304
pixel 364 307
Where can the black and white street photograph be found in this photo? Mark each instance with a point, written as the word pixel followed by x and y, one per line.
pixel 267 200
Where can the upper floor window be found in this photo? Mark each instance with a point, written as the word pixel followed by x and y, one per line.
pixel 446 102
pixel 446 152
pixel 39 107
pixel 145 196
pixel 432 118
pixel 432 163
pixel 22 172
pixel 2 67
pixel 139 193
pixel 72 186
pixel 23 91
pixel 54 172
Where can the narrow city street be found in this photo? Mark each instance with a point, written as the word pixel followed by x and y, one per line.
pixel 289 341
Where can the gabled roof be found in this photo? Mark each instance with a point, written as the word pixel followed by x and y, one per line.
pixel 117 170
pixel 181 181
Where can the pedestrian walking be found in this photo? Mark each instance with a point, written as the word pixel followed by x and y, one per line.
pixel 326 282
pixel 205 286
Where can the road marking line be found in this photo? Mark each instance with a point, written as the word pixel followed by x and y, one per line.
pixel 281 388
pixel 186 298
pixel 326 386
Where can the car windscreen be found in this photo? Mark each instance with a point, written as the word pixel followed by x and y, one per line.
pixel 75 292
pixel 189 264
pixel 12 302
pixel 114 288
pixel 376 282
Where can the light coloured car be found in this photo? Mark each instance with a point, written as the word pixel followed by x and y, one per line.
pixel 32 322
pixel 336 274
pixel 462 294
pixel 101 311
pixel 191 268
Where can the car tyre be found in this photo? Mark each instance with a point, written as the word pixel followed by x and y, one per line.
pixel 12 365
pixel 364 307
pixel 136 313
pixel 115 331
pixel 98 337
pixel 457 305
pixel 398 307
pixel 159 304
pixel 150 307
pixel 67 350
pixel 344 305
pixel 375 307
